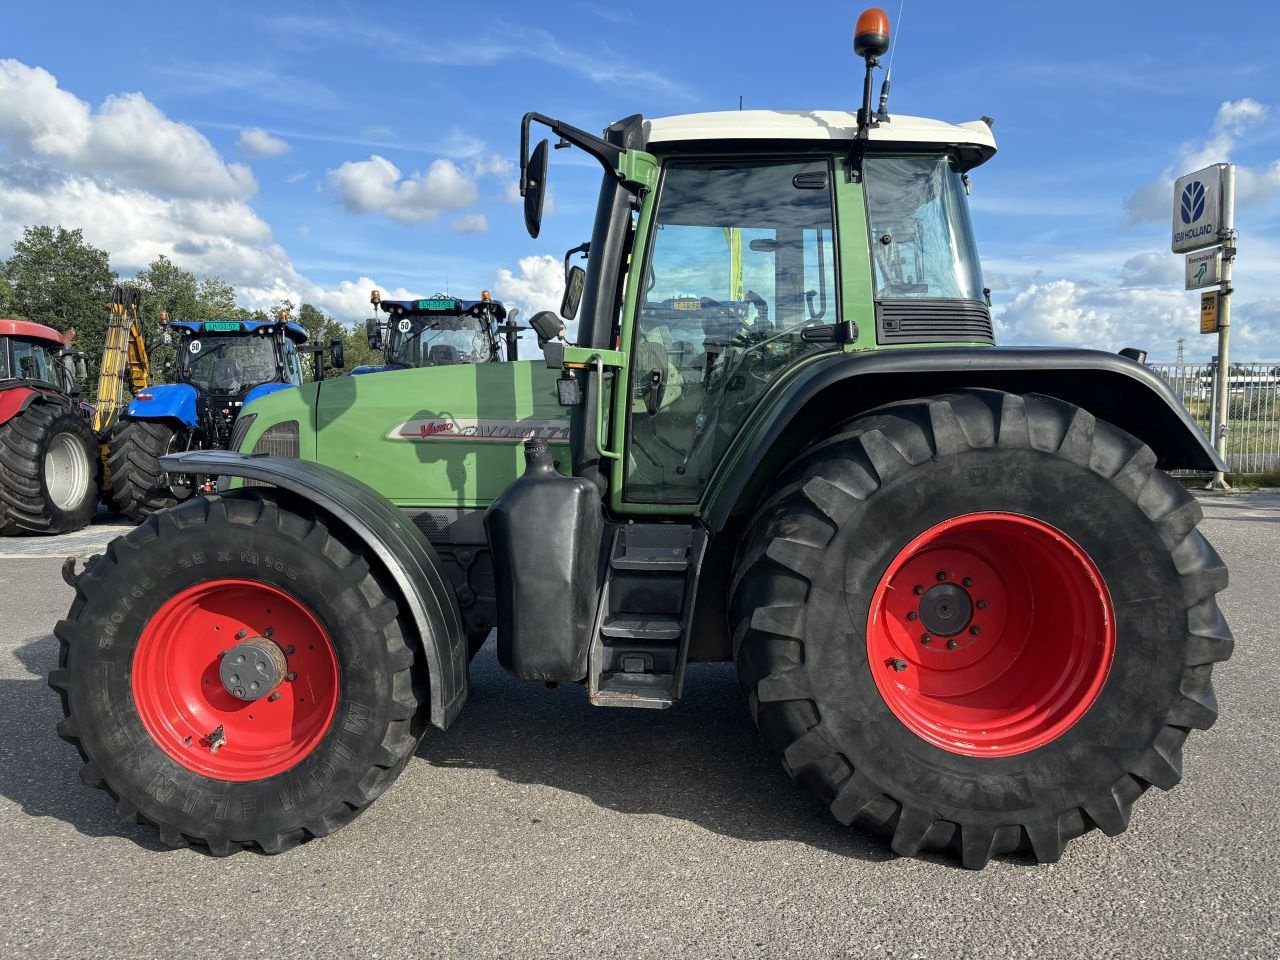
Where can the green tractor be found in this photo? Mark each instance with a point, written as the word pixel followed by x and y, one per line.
pixel 966 604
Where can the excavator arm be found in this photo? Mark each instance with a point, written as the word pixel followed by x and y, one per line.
pixel 124 354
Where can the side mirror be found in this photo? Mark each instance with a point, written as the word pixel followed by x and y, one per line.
pixel 337 354
pixel 373 331
pixel 575 280
pixel 534 189
pixel 547 326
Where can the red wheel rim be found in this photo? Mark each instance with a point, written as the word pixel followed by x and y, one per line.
pixel 990 634
pixel 183 703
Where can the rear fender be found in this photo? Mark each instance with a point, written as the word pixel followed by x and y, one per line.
pixel 424 591
pixel 831 390
pixel 168 401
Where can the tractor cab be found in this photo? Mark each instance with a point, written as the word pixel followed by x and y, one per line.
pixel 33 354
pixel 438 331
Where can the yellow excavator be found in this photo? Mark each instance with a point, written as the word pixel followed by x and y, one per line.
pixel 124 355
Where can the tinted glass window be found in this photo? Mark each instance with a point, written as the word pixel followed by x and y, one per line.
pixel 229 365
pixel 921 239
pixel 741 262
pixel 34 362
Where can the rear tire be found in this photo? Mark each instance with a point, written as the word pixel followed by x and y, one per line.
pixel 48 472
pixel 139 485
pixel 879 723
pixel 353 702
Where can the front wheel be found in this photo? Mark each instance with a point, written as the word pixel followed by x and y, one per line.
pixel 139 485
pixel 48 471
pixel 235 674
pixel 981 623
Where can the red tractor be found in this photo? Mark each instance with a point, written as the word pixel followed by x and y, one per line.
pixel 48 453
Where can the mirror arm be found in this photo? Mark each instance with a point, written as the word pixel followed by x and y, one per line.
pixel 606 153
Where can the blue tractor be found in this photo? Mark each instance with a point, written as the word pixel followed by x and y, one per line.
pixel 221 365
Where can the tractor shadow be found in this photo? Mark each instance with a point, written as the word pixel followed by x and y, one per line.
pixel 40 772
pixel 701 761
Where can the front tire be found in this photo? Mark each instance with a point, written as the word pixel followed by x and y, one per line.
pixel 48 472
pixel 863 577
pixel 156 691
pixel 140 487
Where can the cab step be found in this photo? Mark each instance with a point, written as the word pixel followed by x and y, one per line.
pixel 641 639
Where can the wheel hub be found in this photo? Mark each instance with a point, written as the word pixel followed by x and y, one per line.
pixel 945 610
pixel 252 669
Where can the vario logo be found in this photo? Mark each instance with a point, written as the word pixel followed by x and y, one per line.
pixel 1192 202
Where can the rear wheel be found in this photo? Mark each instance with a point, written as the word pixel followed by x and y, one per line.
pixel 981 623
pixel 48 472
pixel 139 485
pixel 233 673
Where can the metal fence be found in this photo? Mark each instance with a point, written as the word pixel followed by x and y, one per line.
pixel 1253 409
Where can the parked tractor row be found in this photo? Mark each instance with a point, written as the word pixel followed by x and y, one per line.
pixel 966 603
pixel 59 456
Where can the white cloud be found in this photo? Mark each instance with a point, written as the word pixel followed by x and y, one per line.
pixel 258 143
pixel 128 139
pixel 471 223
pixel 375 186
pixel 1154 200
pixel 1066 313
pixel 539 285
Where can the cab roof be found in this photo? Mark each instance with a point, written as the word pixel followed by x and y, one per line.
pixel 292 330
pixel 972 141
pixel 34 331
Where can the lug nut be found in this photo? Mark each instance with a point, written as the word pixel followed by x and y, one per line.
pixel 942 575
pixel 967 581
pixel 913 615
pixel 951 644
pixel 274 696
pixel 898 665
pixel 975 629
pixel 271 631
pixel 982 604
pixel 926 639
pixel 241 634
pixel 918 590
pixel 292 676
pixel 288 650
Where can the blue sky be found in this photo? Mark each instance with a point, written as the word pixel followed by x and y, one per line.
pixel 315 150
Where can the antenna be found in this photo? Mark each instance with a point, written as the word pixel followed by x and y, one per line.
pixel 739 101
pixel 882 112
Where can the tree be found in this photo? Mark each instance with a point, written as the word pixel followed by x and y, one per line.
pixel 57 279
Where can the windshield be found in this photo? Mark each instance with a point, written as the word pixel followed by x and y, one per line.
pixel 922 243
pixel 229 365
pixel 438 341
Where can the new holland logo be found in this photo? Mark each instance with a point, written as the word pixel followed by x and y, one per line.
pixel 501 431
pixel 1192 202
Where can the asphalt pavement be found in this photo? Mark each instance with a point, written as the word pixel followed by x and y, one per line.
pixel 541 826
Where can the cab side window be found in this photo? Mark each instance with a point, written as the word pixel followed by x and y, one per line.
pixel 741 261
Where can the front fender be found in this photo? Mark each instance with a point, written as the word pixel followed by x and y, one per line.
pixel 167 401
pixel 13 400
pixel 265 390
pixel 838 386
pixel 424 591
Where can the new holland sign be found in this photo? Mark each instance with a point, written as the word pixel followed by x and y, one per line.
pixel 1197 209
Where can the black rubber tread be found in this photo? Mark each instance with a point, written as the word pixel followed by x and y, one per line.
pixel 139 487
pixel 25 506
pixel 799 620
pixel 381 717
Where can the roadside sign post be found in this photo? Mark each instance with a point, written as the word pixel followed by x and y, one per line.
pixel 1204 211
